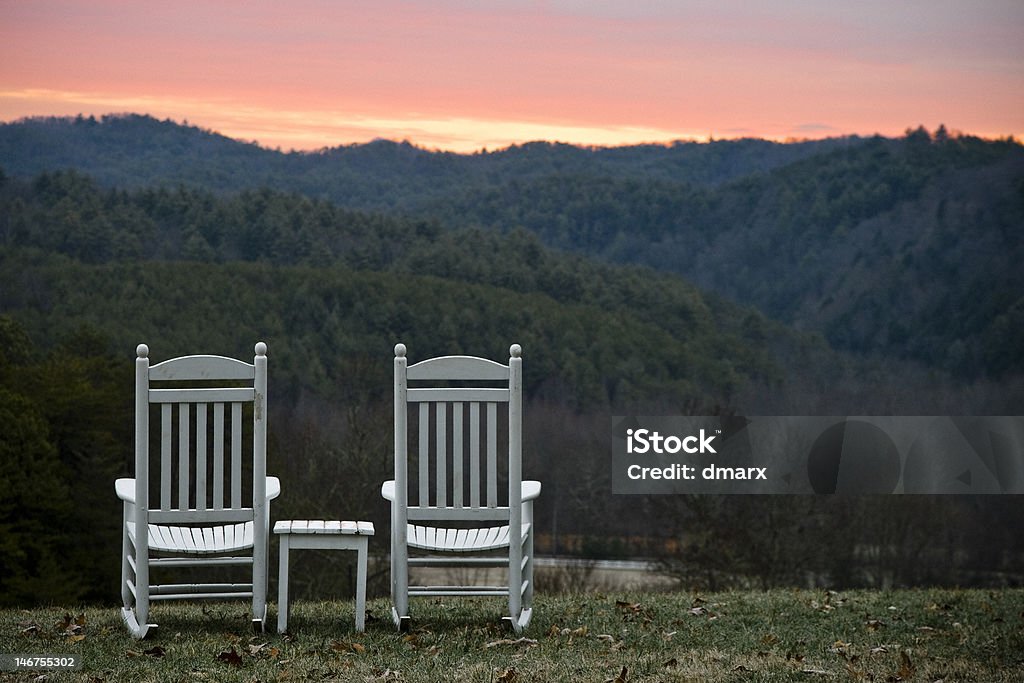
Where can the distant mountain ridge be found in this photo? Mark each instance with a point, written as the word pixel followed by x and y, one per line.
pixel 132 151
pixel 907 248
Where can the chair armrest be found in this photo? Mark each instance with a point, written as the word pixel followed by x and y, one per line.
pixel 125 489
pixel 273 488
pixel 387 490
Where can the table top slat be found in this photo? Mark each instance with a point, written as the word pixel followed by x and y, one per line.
pixel 320 526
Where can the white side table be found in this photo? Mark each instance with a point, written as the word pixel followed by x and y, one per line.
pixel 326 535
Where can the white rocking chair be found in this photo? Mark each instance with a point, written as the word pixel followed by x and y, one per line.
pixel 207 522
pixel 464 483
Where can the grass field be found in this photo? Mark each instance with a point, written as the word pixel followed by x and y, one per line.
pixel 907 635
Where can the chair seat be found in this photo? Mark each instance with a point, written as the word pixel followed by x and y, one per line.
pixel 460 540
pixel 206 540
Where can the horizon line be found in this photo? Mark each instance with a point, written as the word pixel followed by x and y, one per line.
pixel 710 138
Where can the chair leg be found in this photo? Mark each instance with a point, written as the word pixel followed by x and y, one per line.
pixel 400 580
pixel 137 630
pixel 259 577
pixel 141 612
pixel 515 574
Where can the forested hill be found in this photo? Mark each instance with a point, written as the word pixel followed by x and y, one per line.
pixel 904 248
pixel 352 282
pixel 908 248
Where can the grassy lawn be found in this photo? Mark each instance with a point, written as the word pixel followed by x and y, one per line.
pixel 915 635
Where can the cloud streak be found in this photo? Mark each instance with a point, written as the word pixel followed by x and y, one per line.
pixel 306 129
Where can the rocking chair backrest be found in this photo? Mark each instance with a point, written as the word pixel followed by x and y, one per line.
pixel 452 436
pixel 209 466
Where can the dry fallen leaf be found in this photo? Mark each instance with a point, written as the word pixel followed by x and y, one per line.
pixel 230 657
pixel 906 671
pixel 72 626
pixel 507 676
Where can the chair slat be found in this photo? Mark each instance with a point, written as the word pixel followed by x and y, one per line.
pixel 236 455
pixel 218 456
pixel 181 539
pixel 165 456
pixel 247 533
pixel 199 539
pixel 200 456
pixel 457 367
pixel 457 455
pixel 201 395
pixel 183 464
pixel 474 454
pixel 424 460
pixel 201 367
pixel 435 395
pixel 464 513
pixel 441 461
pixel 492 454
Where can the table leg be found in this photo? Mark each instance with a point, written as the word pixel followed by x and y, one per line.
pixel 282 587
pixel 361 585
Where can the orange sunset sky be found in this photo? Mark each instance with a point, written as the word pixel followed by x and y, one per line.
pixel 467 74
